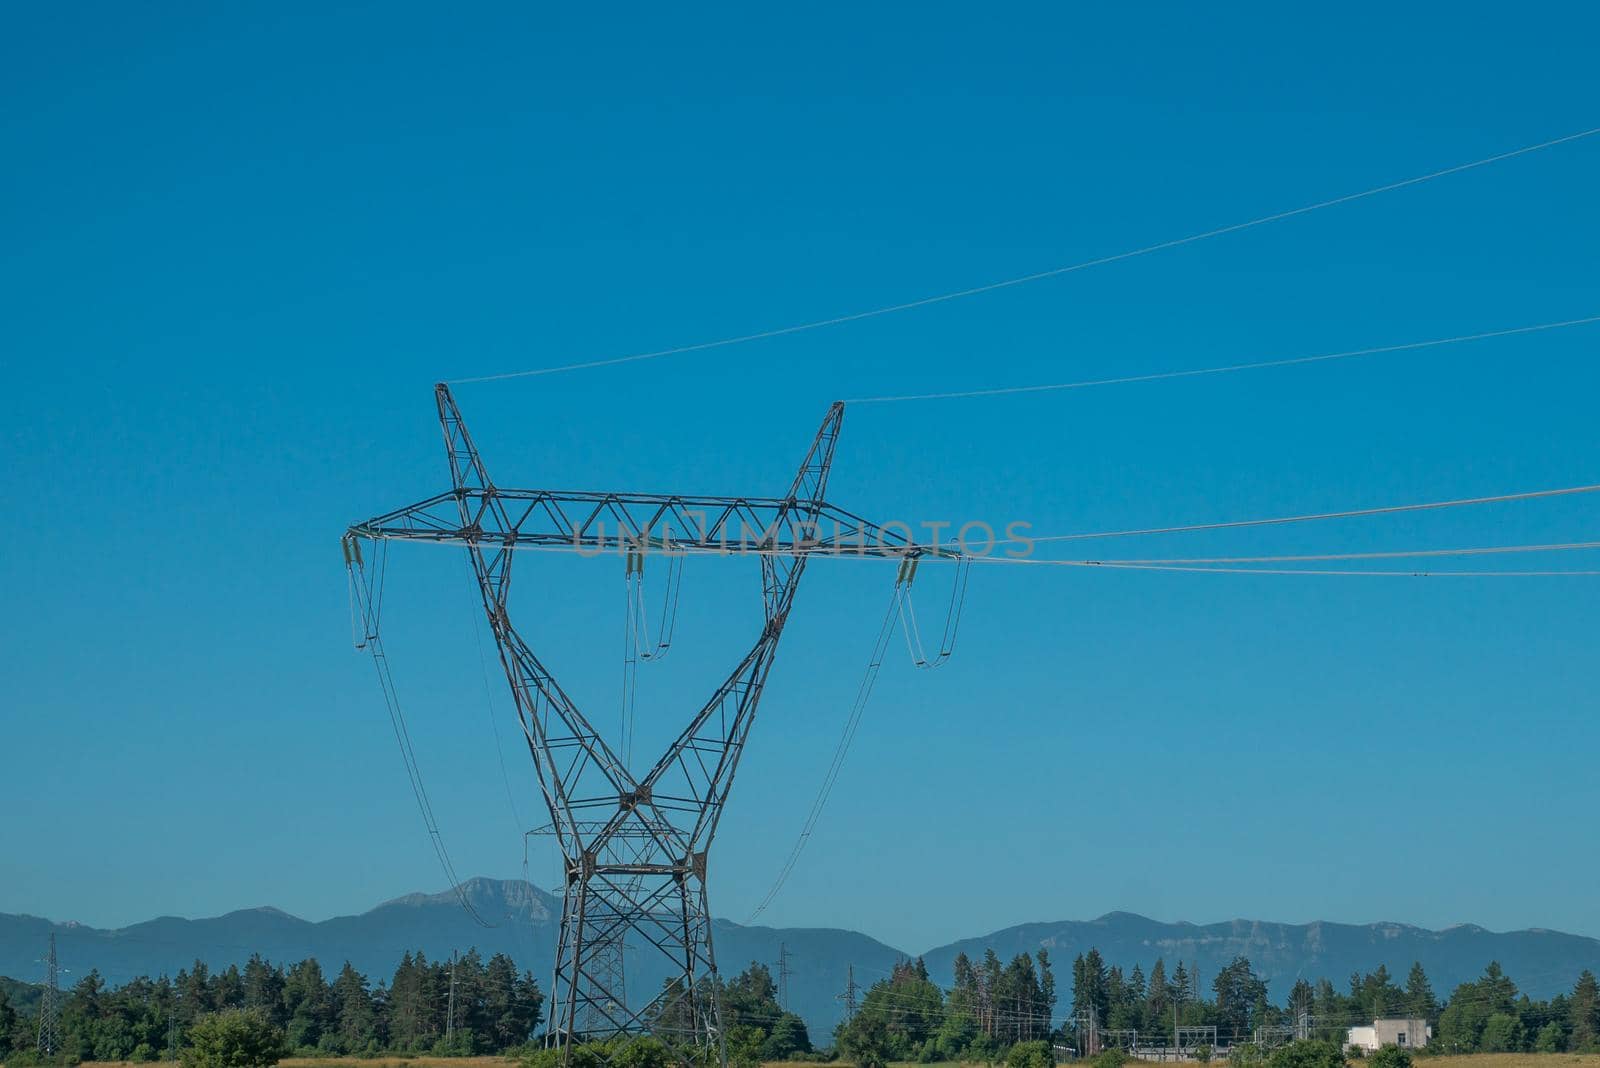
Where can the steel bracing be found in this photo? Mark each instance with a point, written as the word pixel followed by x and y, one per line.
pixel 634 845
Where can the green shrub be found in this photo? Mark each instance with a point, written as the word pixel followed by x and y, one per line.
pixel 1391 1057
pixel 1307 1054
pixel 235 1038
pixel 1552 1038
pixel 539 1057
pixel 1247 1055
pixel 1031 1055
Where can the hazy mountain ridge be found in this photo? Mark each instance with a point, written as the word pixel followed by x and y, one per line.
pixel 1542 962
pixel 526 918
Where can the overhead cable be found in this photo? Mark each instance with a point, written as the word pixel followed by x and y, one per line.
pixel 1568 546
pixel 1037 275
pixel 1227 368
pixel 1315 516
pixel 852 722
pixel 1202 569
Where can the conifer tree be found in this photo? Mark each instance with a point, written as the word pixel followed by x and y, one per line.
pixel 1583 1014
pixel 1420 1002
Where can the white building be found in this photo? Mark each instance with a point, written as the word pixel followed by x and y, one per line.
pixel 1390 1031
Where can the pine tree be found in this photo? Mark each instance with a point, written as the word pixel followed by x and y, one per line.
pixel 1420 1002
pixel 989 985
pixel 263 989
pixel 406 1022
pixel 1498 991
pixel 195 990
pixel 499 1000
pixel 352 1009
pixel 1157 996
pixel 8 1021
pixel 1239 992
pixel 227 989
pixel 1047 990
pixel 1583 1014
pixel 1090 988
pixel 308 1004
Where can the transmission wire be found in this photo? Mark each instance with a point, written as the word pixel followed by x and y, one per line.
pixel 1228 368
pixel 852 722
pixel 1038 275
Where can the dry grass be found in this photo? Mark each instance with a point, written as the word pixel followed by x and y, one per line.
pixel 1471 1060
pixel 1512 1060
pixel 419 1061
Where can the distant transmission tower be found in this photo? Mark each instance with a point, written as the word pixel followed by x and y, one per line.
pixel 450 1008
pixel 634 843
pixel 50 1006
pixel 783 975
pixel 849 995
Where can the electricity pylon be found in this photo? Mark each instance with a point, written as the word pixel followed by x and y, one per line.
pixel 634 846
pixel 783 976
pixel 849 995
pixel 50 1005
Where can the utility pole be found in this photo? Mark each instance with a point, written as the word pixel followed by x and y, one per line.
pixel 172 1023
pixel 1089 1031
pixel 450 1009
pixel 1177 1000
pixel 783 975
pixel 849 995
pixel 50 1006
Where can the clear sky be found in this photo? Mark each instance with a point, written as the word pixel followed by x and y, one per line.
pixel 240 243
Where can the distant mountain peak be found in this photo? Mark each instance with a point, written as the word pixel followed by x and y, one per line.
pixel 482 892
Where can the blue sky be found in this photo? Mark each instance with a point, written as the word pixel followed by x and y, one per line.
pixel 240 244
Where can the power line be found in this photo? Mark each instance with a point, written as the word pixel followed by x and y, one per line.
pixel 366 607
pixel 1299 571
pixel 1038 275
pixel 1572 546
pixel 1354 513
pixel 852 721
pixel 1228 368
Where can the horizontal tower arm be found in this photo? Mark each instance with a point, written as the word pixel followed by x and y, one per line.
pixel 594 523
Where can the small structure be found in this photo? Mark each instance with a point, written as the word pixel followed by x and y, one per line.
pixel 1390 1031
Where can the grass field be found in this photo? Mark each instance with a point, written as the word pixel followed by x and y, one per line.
pixel 1512 1060
pixel 349 1062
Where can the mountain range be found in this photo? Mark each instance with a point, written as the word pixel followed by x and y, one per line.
pixel 525 921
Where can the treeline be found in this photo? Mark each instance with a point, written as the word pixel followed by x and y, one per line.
pixel 1488 1015
pixel 494 1009
pixel 990 1012
pixel 990 1008
pixel 993 1013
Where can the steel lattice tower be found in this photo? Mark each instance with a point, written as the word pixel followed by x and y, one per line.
pixel 635 847
pixel 50 1006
